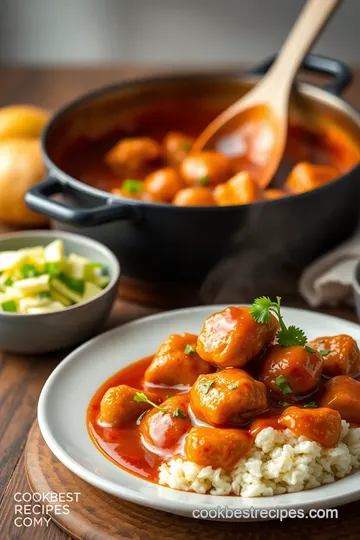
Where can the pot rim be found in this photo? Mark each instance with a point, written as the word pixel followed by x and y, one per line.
pixel 308 89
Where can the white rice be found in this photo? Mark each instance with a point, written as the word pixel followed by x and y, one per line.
pixel 280 462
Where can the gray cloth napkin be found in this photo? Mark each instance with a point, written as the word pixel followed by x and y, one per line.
pixel 328 280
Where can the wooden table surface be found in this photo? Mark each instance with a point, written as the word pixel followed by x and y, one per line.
pixel 21 378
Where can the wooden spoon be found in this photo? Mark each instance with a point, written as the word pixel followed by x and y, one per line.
pixel 257 123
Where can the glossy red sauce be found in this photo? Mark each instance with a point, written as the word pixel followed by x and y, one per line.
pixel 122 444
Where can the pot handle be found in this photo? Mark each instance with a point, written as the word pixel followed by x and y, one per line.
pixel 38 199
pixel 317 64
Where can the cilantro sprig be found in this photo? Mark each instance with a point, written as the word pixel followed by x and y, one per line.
pixel 140 397
pixel 287 335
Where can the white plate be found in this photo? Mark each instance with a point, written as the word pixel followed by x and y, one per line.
pixel 65 397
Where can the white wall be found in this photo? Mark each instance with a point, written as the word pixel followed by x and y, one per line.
pixel 162 31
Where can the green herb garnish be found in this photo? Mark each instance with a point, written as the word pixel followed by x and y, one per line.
pixel 310 405
pixel 190 349
pixel 8 282
pixel 140 397
pixel 186 146
pixel 9 306
pixel 178 413
pixel 287 335
pixel 77 285
pixel 204 181
pixel 309 349
pixel 324 352
pixel 233 386
pixel 321 340
pixel 29 271
pixel 206 386
pixel 283 384
pixel 286 404
pixel 133 186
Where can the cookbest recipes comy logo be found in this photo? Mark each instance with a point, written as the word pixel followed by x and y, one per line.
pixel 33 509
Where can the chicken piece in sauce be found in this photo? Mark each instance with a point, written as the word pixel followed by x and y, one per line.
pixel 176 147
pixel 342 394
pixel 205 168
pixel 177 362
pixel 322 425
pixel 292 371
pixel 307 176
pixel 228 397
pixel 196 196
pixel 264 421
pixel 163 184
pixel 131 155
pixel 240 189
pixel 341 355
pixel 164 429
pixel 218 448
pixel 118 406
pixel 272 193
pixel 231 338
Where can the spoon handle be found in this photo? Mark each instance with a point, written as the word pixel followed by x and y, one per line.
pixel 302 36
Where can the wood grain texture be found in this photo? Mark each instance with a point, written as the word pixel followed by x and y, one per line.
pixel 102 517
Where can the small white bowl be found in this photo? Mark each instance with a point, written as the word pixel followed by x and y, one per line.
pixel 48 332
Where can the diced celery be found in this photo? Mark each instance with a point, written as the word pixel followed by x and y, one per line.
pixel 102 281
pixel 91 290
pixel 36 252
pixel 54 252
pixel 63 289
pixel 34 285
pixel 61 298
pixel 77 285
pixel 77 266
pixel 53 306
pixel 13 293
pixel 37 301
pixel 9 259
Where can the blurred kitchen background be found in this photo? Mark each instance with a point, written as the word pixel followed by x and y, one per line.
pixel 166 32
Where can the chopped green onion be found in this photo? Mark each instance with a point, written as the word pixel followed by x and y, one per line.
pixel 178 413
pixel 52 268
pixel 283 384
pixel 321 340
pixel 8 282
pixel 190 349
pixel 77 285
pixel 9 306
pixel 44 294
pixel 309 349
pixel 286 404
pixel 204 181
pixel 133 186
pixel 324 352
pixel 206 386
pixel 29 271
pixel 310 405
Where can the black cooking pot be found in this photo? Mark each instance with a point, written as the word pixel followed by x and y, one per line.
pixel 165 243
